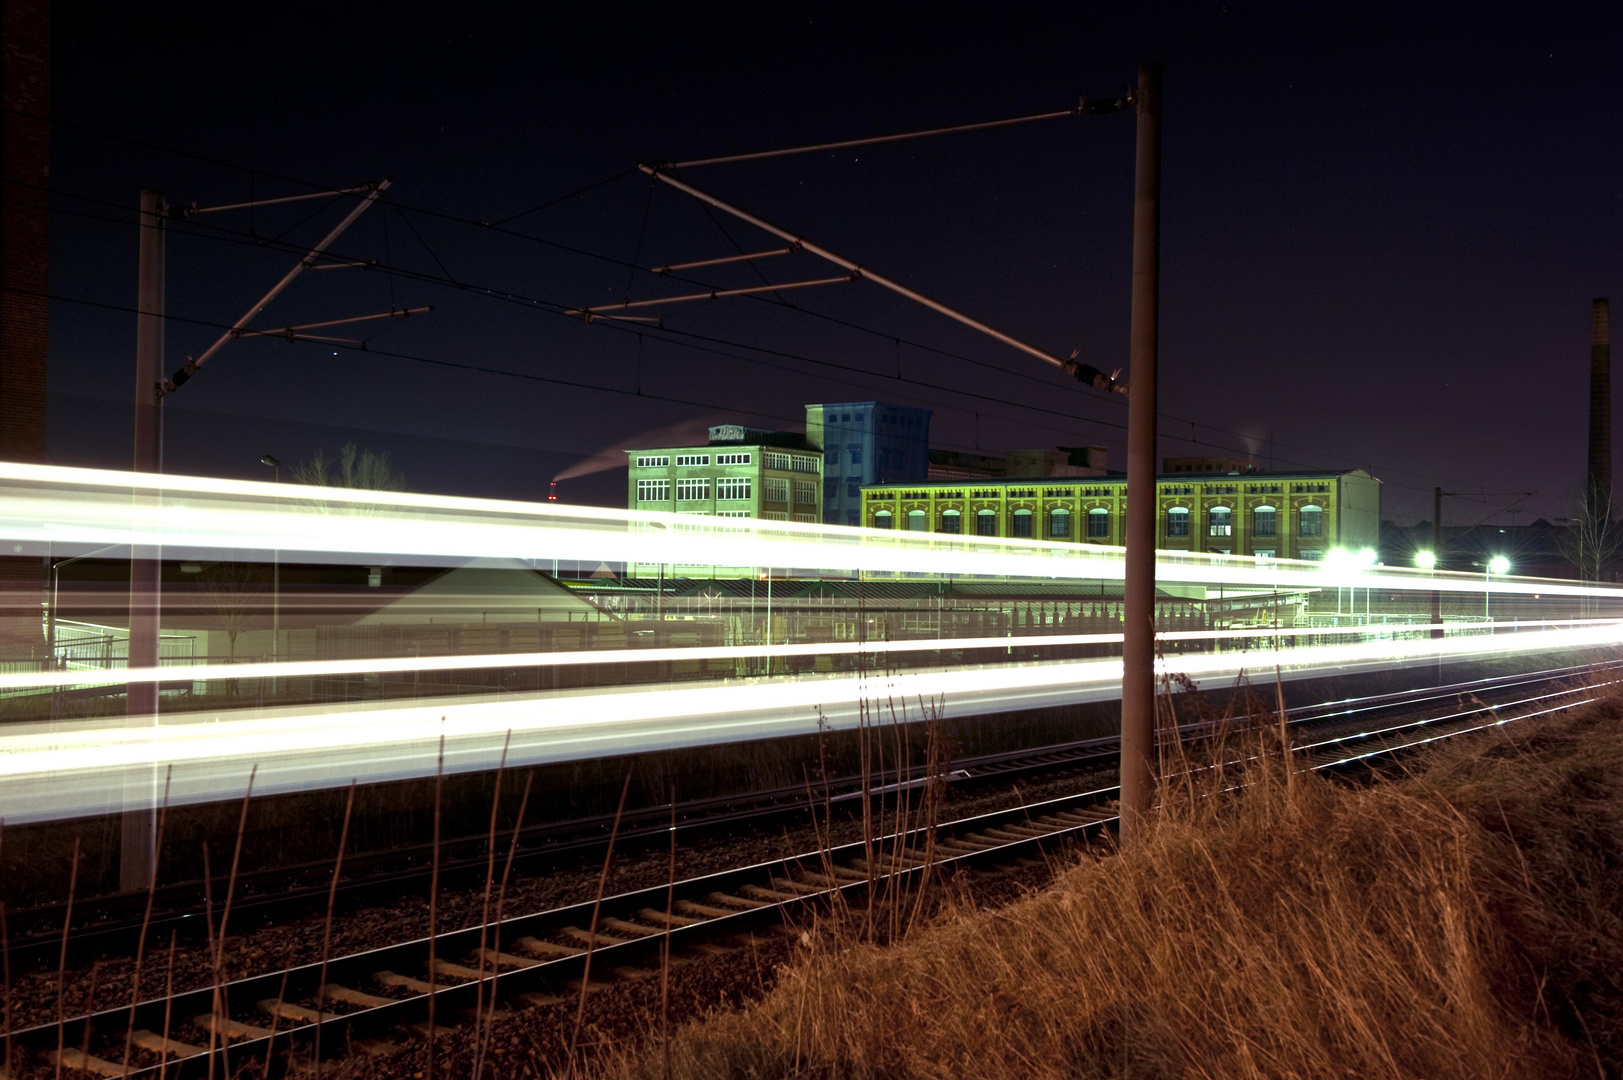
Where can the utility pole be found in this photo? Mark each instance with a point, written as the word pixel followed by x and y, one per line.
pixel 276 570
pixel 141 698
pixel 1138 625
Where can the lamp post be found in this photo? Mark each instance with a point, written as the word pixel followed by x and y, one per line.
pixel 276 572
pixel 1496 565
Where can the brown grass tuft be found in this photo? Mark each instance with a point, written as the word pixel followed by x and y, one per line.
pixel 1463 921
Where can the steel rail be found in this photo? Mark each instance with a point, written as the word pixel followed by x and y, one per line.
pixel 35 933
pixel 551 947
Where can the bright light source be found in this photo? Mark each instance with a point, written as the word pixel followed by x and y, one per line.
pixel 1499 565
pixel 1426 560
pixel 1337 559
pixel 1366 557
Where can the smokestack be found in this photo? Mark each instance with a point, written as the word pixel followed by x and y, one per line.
pixel 1600 404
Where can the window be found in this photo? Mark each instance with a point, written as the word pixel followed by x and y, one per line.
pixel 653 490
pixel 883 519
pixel 775 515
pixel 1020 523
pixel 1098 524
pixel 1177 521
pixel 853 518
pixel 1311 519
pixel 854 489
pixel 733 487
pixel 1265 553
pixel 777 491
pixel 831 488
pixel 856 453
pixel 692 459
pixel 1219 522
pixel 806 492
pixel 986 523
pixel 1059 524
pixel 776 461
pixel 952 522
pixel 733 513
pixel 918 521
pixel 1264 522
pixel 654 461
pixel 809 519
pixel 803 464
pixel 832 457
pixel 732 459
pixel 691 490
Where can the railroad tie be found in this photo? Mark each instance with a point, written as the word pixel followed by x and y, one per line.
pixel 669 918
pixel 633 928
pixel 729 900
pixel 573 985
pixel 534 999
pixel 792 885
pixel 354 997
pixel 635 974
pixel 377 1047
pixel 440 1030
pixel 767 894
pixel 706 910
pixel 710 948
pixel 459 971
pixel 151 1040
pixel 405 982
pixel 78 1059
pixel 502 959
pixel 289 1011
pixel 590 938
pixel 227 1028
pixel 476 1015
pixel 546 948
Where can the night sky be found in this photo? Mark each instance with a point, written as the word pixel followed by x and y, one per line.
pixel 1381 230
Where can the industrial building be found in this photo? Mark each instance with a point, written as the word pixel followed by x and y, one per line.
pixel 1296 515
pixel 740 473
pixel 865 442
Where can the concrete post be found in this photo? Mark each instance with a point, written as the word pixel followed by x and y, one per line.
pixel 141 701
pixel 1138 626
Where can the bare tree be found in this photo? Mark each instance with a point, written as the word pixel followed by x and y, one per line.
pixel 237 593
pixel 1592 538
pixel 354 468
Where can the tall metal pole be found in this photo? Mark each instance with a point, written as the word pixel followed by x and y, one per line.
pixel 1138 628
pixel 141 700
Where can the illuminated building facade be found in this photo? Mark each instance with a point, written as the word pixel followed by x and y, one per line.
pixel 1297 515
pixel 741 473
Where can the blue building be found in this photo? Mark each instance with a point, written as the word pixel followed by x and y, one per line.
pixel 866 442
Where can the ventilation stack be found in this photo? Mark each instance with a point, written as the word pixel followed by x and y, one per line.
pixel 1600 405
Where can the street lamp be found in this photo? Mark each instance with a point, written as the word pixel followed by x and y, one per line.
pixel 1426 560
pixel 1496 565
pixel 276 573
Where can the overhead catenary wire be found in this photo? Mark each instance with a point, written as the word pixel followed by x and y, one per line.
pixel 230 236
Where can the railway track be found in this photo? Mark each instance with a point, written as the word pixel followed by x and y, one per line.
pixel 112 924
pixel 370 1002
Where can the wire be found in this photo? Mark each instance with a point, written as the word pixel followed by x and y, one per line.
pixel 564 198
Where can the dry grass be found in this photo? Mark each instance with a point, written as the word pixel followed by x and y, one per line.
pixel 1463 921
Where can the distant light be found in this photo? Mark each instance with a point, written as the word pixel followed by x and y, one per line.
pixel 1499 565
pixel 1366 557
pixel 1337 559
pixel 1426 560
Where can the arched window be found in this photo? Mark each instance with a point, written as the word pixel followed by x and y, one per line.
pixel 1310 521
pixel 1059 524
pixel 918 521
pixel 1219 522
pixel 1020 523
pixel 952 522
pixel 883 520
pixel 986 523
pixel 1264 521
pixel 1177 521
pixel 1099 524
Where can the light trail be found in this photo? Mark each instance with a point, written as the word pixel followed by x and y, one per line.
pixel 48 508
pixel 591 657
pixel 52 771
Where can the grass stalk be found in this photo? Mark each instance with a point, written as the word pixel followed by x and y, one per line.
pixel 169 1004
pixel 326 925
pixel 490 875
pixel 222 1008
pixel 597 907
pixel 482 1033
pixel 146 919
pixel 433 905
pixel 665 952
pixel 62 962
